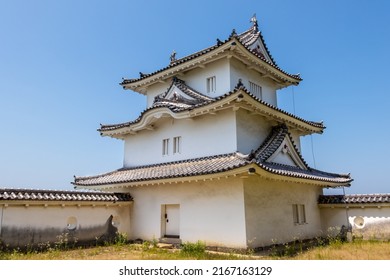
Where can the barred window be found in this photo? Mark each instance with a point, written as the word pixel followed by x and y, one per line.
pixel 177 145
pixel 211 84
pixel 299 214
pixel 256 90
pixel 165 147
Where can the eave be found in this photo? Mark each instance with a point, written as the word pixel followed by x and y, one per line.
pixel 355 206
pixel 230 48
pixel 241 99
pixel 241 172
pixel 301 179
pixel 238 99
pixel 244 172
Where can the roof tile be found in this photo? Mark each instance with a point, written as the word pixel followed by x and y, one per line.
pixel 215 164
pixel 354 199
pixel 55 195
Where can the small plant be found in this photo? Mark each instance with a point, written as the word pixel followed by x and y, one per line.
pixel 196 250
pixel 120 239
pixel 62 242
pixel 154 242
pixel 146 245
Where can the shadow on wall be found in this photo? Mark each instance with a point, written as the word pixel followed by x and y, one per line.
pixel 43 238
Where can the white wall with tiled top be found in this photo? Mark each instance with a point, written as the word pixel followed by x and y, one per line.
pixel 368 221
pixel 36 223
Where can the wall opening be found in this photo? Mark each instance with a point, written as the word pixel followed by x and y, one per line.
pixel 359 222
pixel 71 223
pixel 170 222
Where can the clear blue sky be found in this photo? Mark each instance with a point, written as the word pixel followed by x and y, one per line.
pixel 61 63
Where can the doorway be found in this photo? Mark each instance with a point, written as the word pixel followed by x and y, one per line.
pixel 171 220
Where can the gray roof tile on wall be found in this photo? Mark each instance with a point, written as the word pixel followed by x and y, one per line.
pixel 354 199
pixel 57 195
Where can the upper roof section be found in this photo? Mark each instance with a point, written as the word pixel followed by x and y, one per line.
pixel 253 40
pixel 248 47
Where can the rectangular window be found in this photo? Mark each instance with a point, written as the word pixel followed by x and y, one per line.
pixel 177 145
pixel 299 214
pixel 256 90
pixel 165 147
pixel 211 84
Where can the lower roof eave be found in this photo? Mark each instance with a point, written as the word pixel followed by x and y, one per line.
pixel 240 172
pixel 300 179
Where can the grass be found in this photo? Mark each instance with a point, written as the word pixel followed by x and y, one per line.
pixel 145 251
pixel 336 250
pixel 356 250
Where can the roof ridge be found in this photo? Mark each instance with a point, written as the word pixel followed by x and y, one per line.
pixel 233 37
pixel 271 143
pixel 296 150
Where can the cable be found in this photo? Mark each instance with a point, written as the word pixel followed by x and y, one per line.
pixel 312 151
pixel 293 96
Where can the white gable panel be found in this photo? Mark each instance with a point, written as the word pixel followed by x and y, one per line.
pixel 287 154
pixel 284 158
pixel 175 92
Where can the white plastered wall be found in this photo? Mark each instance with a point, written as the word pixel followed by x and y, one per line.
pixel 269 211
pixel 252 130
pixel 206 135
pixel 23 225
pixel 197 78
pixel 210 211
pixel 239 71
pixel 366 221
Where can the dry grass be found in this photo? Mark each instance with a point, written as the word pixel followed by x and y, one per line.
pixel 358 250
pixel 121 252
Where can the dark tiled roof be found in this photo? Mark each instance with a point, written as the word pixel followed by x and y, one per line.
pixel 215 164
pixel 56 195
pixel 316 124
pixel 185 168
pixel 179 101
pixel 250 36
pixel 354 199
pixel 311 173
pixel 178 107
pixel 272 143
pixel 245 39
